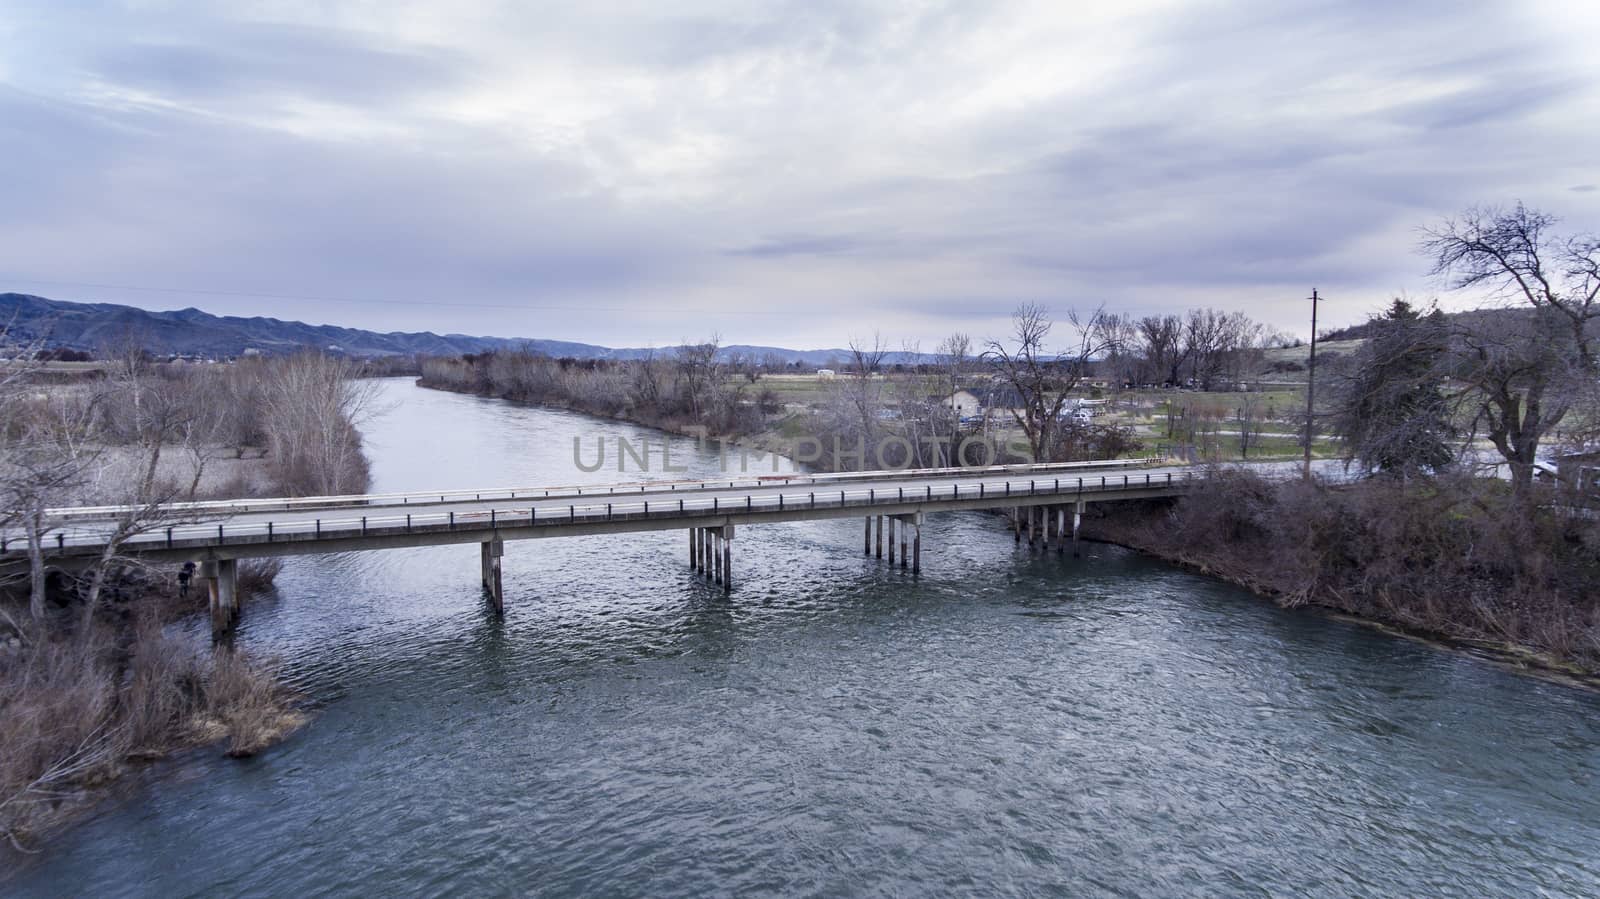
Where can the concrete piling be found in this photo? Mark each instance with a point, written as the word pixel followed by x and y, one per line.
pixel 727 557
pixel 1077 521
pixel 222 586
pixel 490 553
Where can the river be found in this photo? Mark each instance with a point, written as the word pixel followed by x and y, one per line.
pixel 1007 723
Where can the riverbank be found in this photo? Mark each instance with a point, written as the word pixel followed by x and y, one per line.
pixel 100 670
pixel 84 703
pixel 1457 563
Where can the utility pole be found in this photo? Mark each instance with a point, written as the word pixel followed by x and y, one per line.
pixel 1311 382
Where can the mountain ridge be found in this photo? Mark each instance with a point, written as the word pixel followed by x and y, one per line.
pixel 194 332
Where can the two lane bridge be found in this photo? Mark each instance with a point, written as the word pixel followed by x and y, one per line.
pixel 1046 502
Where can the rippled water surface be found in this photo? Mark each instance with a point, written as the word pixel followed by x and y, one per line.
pixel 1003 724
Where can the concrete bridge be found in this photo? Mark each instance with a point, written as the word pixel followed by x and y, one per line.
pixel 1047 500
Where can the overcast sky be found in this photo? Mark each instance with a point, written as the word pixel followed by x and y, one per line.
pixel 785 173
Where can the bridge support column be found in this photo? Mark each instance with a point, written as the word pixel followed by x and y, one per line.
pixel 705 551
pixel 916 543
pixel 880 536
pixel 1048 513
pixel 905 557
pixel 866 548
pixel 1077 521
pixel 1061 529
pixel 894 526
pixel 222 583
pixel 716 555
pixel 694 548
pixel 490 552
pixel 1033 513
pixel 1016 524
pixel 727 557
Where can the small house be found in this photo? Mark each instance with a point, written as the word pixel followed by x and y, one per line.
pixel 964 403
pixel 1580 472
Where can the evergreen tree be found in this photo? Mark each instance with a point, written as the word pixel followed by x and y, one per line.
pixel 1391 411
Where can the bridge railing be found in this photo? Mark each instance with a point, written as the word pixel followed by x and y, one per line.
pixel 216 508
pixel 687 508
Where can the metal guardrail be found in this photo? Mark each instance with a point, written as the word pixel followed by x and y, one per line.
pixel 289 504
pixel 683 508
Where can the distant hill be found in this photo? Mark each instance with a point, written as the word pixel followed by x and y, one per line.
pixel 191 332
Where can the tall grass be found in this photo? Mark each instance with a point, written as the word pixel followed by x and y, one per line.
pixel 78 709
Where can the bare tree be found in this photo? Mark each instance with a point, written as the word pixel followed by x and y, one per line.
pixel 1163 346
pixel 864 387
pixel 44 458
pixel 1513 256
pixel 698 373
pixel 1522 374
pixel 313 404
pixel 1217 344
pixel 1247 415
pixel 1042 378
pixel 645 382
pixel 1121 360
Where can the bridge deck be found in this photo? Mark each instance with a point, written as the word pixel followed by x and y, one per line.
pixel 293 527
